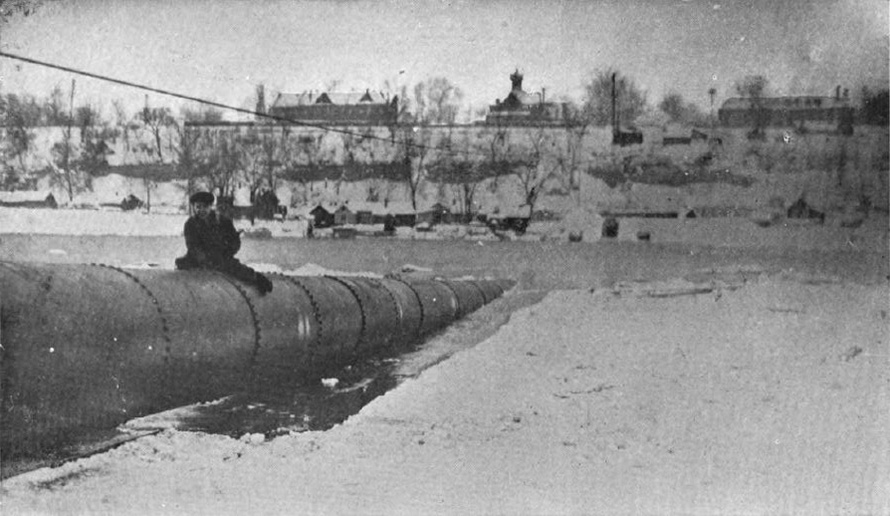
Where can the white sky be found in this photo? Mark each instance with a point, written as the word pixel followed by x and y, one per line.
pixel 222 49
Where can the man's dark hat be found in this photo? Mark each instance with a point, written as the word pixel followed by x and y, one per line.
pixel 201 197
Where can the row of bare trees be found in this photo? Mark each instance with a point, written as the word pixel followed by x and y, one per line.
pixel 423 146
pixel 456 159
pixel 214 157
pixel 75 157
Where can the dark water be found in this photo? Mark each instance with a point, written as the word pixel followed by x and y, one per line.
pixel 276 407
pixel 270 406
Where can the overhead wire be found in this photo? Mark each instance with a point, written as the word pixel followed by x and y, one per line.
pixel 328 128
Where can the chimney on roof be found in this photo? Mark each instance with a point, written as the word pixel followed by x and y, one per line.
pixel 837 93
pixel 543 95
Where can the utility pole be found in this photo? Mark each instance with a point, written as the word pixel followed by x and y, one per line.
pixel 66 158
pixel 711 93
pixel 614 112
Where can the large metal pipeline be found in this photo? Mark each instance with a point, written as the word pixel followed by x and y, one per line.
pixel 90 346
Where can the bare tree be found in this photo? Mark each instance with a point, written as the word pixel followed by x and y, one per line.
pixel 252 164
pixel 437 101
pixel 410 160
pixel 18 142
pixel 531 168
pixel 403 103
pixel 156 121
pixel 498 149
pixel 218 162
pixel 753 88
pixel 94 135
pixel 260 162
pixel 185 145
pixel 350 163
pixel 598 98
pixel 568 154
pixel 456 167
pixel 12 8
pixel 678 110
pixel 672 105
pixel 64 153
pixel 712 92
pixel 87 117
pixel 55 109
pixel 202 114
pixel 190 143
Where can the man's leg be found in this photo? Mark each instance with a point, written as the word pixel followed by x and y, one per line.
pixel 184 263
pixel 244 273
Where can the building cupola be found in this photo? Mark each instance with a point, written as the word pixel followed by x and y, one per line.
pixel 516 79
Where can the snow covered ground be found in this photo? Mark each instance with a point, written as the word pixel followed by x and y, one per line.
pixel 738 390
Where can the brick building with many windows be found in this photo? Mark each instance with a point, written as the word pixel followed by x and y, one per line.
pixel 787 111
pixel 368 108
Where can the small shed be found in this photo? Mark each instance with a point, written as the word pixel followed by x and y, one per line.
pixel 364 217
pixel 438 213
pixel 802 210
pixel 344 215
pixel 321 218
pixel 28 199
pixel 400 214
pixel 405 219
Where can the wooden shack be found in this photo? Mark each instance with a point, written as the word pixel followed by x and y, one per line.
pixel 321 218
pixel 28 199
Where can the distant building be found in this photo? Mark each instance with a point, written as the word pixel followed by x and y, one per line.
pixel 368 108
pixel 321 217
pixel 522 108
pixel 788 111
pixel 438 213
pixel 344 215
pixel 28 199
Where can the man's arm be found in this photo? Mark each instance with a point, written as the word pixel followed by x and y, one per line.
pixel 194 243
pixel 231 238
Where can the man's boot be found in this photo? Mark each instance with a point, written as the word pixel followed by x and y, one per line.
pixel 263 284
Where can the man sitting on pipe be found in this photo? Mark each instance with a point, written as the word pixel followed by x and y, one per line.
pixel 212 241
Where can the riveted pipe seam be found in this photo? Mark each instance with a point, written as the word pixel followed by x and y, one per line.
pixel 409 311
pixel 341 316
pixel 459 309
pixel 361 306
pixel 257 333
pixel 479 289
pixel 469 298
pixel 130 340
pixel 417 296
pixel 439 304
pixel 315 342
pixel 165 329
pixel 400 314
pixel 384 324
